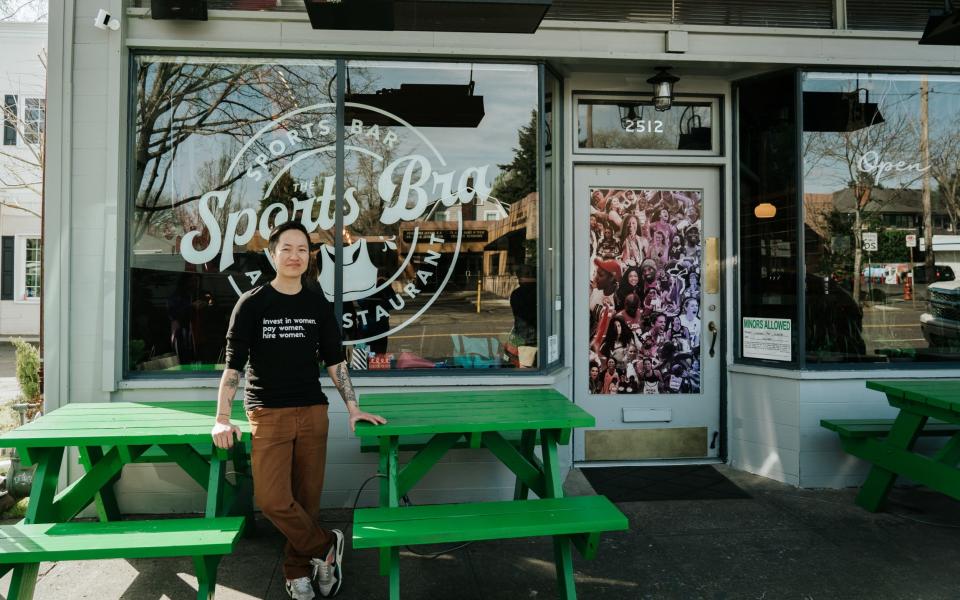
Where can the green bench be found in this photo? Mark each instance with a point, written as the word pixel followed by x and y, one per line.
pixel 870 440
pixel 869 428
pixel 205 540
pixel 581 519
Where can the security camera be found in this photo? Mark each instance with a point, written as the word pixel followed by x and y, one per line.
pixel 105 21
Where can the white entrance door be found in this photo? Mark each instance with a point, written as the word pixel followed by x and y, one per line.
pixel 647 312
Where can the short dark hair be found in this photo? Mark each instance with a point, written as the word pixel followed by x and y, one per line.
pixel 277 231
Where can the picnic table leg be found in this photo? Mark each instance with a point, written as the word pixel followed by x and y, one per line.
pixel 553 488
pixel 903 435
pixel 950 453
pixel 216 483
pixel 527 442
pixel 24 581
pixel 206 570
pixel 244 488
pixel 105 499
pixel 394 572
pixel 41 510
pixel 563 556
pixel 388 467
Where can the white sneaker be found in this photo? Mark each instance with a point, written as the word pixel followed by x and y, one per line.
pixel 300 589
pixel 327 572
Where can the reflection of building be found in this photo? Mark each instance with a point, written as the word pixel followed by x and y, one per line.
pixel 491 249
pixel 888 208
pixel 510 242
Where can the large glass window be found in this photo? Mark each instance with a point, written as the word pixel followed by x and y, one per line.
pixel 429 247
pixel 876 168
pixel 881 157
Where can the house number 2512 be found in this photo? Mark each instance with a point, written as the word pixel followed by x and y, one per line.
pixel 643 126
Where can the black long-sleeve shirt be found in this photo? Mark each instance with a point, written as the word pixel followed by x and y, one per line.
pixel 284 336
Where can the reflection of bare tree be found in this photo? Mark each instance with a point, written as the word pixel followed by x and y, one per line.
pixel 179 102
pixel 841 153
pixel 945 170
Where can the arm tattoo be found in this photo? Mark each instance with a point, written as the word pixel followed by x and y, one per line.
pixel 344 386
pixel 228 389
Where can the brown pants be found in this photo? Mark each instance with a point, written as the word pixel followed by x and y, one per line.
pixel 289 456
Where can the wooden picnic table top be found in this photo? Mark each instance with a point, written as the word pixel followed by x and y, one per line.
pixel 471 412
pixel 940 393
pixel 123 423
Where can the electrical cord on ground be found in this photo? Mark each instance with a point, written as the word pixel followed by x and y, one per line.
pixel 406 502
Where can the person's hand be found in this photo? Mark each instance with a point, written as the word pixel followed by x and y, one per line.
pixel 223 433
pixel 357 415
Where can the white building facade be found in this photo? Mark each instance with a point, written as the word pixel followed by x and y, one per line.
pixel 514 211
pixel 23 91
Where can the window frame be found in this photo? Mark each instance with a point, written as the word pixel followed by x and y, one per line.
pixel 21 262
pixel 25 135
pixel 542 368
pixel 716 133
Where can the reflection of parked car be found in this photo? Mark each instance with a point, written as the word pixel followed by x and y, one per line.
pixel 940 273
pixel 941 326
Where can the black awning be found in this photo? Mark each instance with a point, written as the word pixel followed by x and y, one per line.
pixel 422 105
pixel 489 16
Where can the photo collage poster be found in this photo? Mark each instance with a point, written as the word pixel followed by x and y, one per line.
pixel 645 256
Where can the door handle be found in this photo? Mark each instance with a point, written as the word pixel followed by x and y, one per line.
pixel 713 341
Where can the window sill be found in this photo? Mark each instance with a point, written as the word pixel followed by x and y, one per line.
pixel 848 374
pixel 415 382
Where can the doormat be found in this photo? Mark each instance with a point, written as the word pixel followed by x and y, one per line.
pixel 674 482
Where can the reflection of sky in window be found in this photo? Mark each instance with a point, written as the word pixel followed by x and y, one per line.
pixel 202 149
pixel 509 95
pixel 509 91
pixel 897 95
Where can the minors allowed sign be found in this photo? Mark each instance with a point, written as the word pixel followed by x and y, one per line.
pixel 767 338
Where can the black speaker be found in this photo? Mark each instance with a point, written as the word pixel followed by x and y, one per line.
pixel 194 10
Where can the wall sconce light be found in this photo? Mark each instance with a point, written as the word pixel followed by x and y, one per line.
pixel 662 84
pixel 764 210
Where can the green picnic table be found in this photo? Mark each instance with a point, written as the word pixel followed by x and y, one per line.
pixel 508 423
pixel 928 407
pixel 108 436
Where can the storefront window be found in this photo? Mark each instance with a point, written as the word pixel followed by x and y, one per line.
pixel 436 262
pixel 767 254
pixel 881 157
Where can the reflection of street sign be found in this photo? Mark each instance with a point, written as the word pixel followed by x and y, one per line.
pixel 870 241
pixel 911 240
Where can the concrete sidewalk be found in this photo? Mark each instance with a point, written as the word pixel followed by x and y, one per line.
pixel 781 543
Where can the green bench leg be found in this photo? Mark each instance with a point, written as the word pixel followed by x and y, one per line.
pixel 903 435
pixel 527 442
pixel 105 499
pixel 586 544
pixel 24 581
pixel 206 570
pixel 394 573
pixel 563 557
